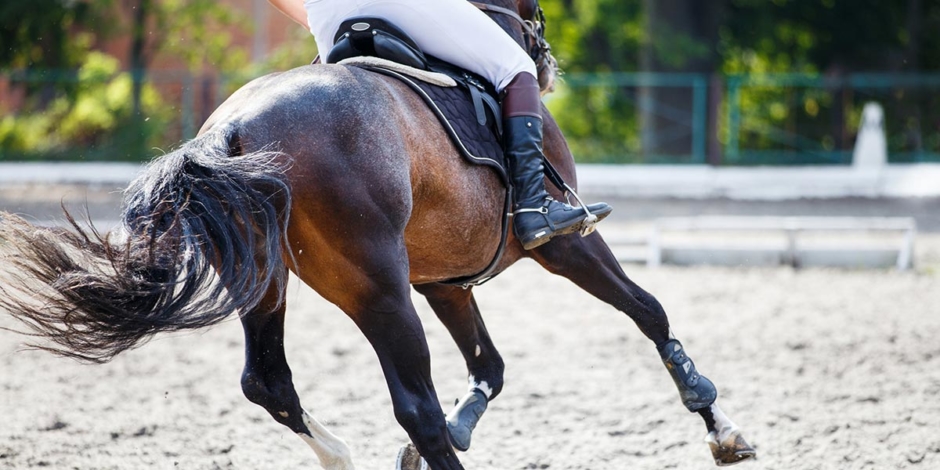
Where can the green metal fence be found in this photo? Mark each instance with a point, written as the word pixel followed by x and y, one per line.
pixel 82 115
pixel 807 119
pixel 781 119
pixel 639 117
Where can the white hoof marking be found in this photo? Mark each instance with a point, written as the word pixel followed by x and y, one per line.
pixel 332 451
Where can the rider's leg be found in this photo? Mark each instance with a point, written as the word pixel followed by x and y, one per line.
pixel 536 216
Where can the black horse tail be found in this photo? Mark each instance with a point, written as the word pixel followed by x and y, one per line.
pixel 198 211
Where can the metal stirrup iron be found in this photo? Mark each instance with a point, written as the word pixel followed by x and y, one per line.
pixel 590 222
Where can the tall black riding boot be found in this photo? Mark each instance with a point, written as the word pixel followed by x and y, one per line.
pixel 536 216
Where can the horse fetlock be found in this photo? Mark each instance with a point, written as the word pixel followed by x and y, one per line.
pixel 260 391
pixel 280 402
pixel 463 419
pixel 254 389
pixel 490 387
pixel 425 426
pixel 695 390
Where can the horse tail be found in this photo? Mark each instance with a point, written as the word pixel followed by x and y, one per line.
pixel 201 210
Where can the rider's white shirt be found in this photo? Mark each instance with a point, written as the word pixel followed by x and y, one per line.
pixel 452 30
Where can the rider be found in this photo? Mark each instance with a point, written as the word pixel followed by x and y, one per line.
pixel 457 32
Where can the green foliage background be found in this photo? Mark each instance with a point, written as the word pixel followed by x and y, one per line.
pixel 79 104
pixel 81 109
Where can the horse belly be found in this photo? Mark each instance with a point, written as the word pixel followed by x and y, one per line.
pixel 455 223
pixel 456 220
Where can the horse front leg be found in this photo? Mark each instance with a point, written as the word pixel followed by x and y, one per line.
pixel 267 381
pixel 458 311
pixel 589 263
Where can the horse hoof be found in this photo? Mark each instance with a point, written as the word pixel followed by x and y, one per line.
pixel 729 447
pixel 410 459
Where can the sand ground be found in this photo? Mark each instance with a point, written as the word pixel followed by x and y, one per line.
pixel 822 369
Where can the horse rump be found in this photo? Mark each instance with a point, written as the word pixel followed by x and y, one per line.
pixel 200 211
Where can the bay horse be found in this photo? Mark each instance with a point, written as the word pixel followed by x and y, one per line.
pixel 345 178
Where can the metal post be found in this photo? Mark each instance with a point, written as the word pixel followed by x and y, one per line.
pixel 699 116
pixel 654 256
pixel 792 258
pixel 734 118
pixel 187 108
pixel 713 117
pixel 906 253
pixel 220 89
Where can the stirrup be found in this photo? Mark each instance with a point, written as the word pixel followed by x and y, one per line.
pixel 590 221
pixel 540 229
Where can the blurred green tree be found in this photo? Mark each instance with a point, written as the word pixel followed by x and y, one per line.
pixel 48 49
pixel 603 120
pixel 595 36
pixel 721 37
pixel 91 123
pixel 832 38
pixel 50 34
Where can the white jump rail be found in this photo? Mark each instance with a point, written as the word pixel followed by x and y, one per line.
pixel 791 226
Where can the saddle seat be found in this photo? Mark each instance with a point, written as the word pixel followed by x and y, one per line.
pixel 370 36
pixel 465 103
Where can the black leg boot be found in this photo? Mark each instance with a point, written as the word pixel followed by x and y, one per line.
pixel 695 390
pixel 536 216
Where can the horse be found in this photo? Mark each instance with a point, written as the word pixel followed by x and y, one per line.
pixel 345 178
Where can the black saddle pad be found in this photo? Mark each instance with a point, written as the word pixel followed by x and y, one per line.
pixel 459 114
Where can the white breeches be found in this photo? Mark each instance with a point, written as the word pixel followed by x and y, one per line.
pixel 451 30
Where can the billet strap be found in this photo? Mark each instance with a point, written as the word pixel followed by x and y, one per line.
pixel 590 221
pixel 554 176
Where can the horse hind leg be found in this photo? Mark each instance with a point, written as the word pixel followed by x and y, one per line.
pixel 589 263
pixel 267 381
pixel 375 292
pixel 393 328
pixel 458 311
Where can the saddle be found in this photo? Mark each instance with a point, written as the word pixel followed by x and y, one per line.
pixel 466 105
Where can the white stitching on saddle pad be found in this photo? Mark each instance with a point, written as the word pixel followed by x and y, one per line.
pixel 434 78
